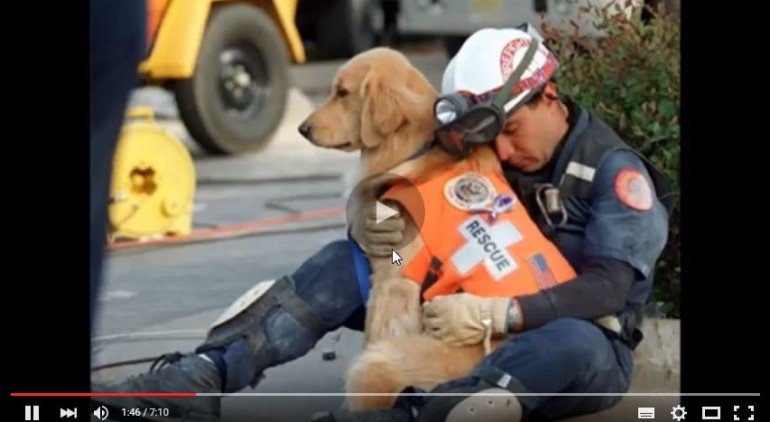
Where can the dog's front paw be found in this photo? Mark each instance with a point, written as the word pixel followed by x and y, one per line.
pixel 394 310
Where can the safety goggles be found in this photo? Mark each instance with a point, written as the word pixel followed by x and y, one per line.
pixel 467 120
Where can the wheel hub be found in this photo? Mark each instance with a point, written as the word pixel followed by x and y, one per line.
pixel 243 81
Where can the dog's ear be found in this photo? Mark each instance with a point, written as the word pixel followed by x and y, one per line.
pixel 382 113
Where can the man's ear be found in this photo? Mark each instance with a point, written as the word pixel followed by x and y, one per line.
pixel 550 91
pixel 382 113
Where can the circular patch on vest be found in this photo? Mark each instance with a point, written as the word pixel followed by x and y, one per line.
pixel 633 189
pixel 469 191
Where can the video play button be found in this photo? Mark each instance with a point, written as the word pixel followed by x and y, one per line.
pixel 379 199
pixel 383 212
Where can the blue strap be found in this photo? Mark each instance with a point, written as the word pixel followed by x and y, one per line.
pixel 362 269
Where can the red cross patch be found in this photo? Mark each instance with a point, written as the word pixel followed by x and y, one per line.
pixel 633 189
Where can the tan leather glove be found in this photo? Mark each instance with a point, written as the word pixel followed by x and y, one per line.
pixel 465 319
pixel 377 239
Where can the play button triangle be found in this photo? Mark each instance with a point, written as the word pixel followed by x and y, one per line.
pixel 382 212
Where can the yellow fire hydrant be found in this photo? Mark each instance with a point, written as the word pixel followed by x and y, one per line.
pixel 153 181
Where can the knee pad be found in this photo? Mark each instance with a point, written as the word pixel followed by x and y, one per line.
pixel 482 396
pixel 491 404
pixel 241 324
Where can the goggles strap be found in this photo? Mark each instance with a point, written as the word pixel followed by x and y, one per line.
pixel 505 93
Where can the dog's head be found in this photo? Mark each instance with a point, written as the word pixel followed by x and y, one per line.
pixel 377 98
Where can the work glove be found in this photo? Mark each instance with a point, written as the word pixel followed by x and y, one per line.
pixel 377 239
pixel 466 319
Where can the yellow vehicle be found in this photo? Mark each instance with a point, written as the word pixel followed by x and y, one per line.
pixel 227 63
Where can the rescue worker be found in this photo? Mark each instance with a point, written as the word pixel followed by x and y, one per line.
pixel 595 198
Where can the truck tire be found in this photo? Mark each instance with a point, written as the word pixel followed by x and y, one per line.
pixel 344 28
pixel 237 94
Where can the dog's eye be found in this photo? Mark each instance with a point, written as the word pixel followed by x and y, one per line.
pixel 341 92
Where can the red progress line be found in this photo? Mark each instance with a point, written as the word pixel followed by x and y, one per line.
pixel 103 395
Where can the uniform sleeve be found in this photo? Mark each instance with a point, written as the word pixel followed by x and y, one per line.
pixel 627 221
pixel 624 237
pixel 600 289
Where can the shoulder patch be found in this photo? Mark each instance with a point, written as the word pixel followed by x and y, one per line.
pixel 469 191
pixel 633 189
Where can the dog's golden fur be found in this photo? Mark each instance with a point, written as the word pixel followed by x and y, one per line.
pixel 381 105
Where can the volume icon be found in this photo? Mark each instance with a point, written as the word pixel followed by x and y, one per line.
pixel 101 413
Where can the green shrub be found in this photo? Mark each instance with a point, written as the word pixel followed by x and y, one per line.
pixel 630 78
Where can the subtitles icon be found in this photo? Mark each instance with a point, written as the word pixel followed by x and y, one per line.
pixel 645 413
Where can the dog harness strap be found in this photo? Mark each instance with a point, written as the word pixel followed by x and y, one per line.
pixel 422 150
pixel 362 270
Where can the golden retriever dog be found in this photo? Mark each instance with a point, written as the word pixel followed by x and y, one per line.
pixel 382 106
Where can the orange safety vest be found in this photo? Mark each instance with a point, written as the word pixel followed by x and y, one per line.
pixel 467 250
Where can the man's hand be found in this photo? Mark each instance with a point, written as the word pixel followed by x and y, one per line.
pixel 377 239
pixel 460 318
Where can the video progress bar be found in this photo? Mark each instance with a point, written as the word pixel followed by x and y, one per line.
pixel 182 395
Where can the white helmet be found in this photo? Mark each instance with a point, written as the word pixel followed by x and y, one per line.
pixel 489 56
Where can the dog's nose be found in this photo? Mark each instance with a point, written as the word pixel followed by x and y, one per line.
pixel 305 129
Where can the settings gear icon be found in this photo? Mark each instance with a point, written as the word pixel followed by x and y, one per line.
pixel 678 413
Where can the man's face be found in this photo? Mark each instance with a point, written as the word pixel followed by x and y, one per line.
pixel 531 134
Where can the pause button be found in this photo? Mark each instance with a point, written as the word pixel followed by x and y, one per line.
pixel 31 413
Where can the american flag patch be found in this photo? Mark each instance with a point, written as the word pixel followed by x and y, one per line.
pixel 543 275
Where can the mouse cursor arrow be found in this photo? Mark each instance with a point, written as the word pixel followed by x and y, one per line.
pixel 395 258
